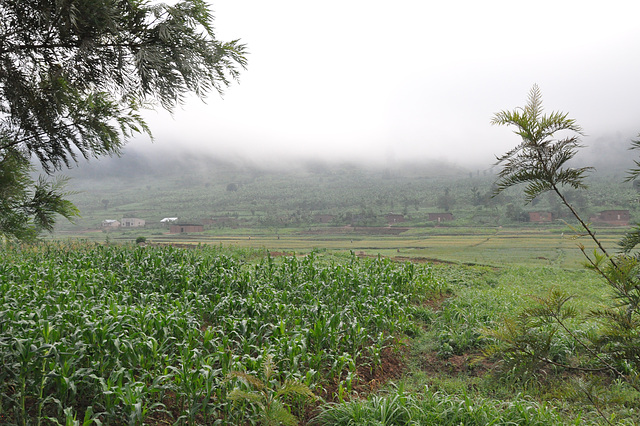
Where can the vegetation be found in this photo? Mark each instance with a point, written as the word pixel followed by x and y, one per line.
pixel 194 190
pixel 28 208
pixel 74 77
pixel 138 334
pixel 529 341
pixel 268 394
pixel 96 333
pixel 430 408
pixel 451 350
pixel 157 335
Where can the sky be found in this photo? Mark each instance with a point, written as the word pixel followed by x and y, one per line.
pixel 408 80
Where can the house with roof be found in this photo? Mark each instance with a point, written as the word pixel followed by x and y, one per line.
pixel 132 222
pixel 110 224
pixel 186 227
pixel 612 217
pixel 540 217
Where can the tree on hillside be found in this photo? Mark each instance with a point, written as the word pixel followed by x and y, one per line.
pixel 74 76
pixel 445 201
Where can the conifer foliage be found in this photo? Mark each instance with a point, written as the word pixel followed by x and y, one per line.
pixel 75 74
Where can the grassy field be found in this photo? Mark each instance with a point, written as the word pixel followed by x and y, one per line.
pixel 544 246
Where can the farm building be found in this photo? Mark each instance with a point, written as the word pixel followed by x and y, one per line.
pixel 182 228
pixel 394 218
pixel 441 217
pixel 612 217
pixel 110 224
pixel 539 217
pixel 132 222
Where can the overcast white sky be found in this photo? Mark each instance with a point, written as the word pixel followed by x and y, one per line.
pixel 408 79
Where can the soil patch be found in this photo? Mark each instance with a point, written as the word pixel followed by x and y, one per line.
pixel 471 364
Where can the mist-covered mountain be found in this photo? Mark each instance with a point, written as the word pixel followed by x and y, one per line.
pixel 149 162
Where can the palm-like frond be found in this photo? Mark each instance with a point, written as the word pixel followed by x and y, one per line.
pixel 630 240
pixel 634 173
pixel 269 392
pixel 277 414
pixel 252 397
pixel 248 379
pixel 295 388
pixel 539 161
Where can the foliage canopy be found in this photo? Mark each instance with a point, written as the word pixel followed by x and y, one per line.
pixel 75 74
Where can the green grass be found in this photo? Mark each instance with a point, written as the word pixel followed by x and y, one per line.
pixel 448 356
pixel 485 246
pixel 439 408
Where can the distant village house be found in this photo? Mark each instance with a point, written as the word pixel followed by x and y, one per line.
pixel 183 228
pixel 540 217
pixel 612 217
pixel 110 224
pixel 441 217
pixel 132 222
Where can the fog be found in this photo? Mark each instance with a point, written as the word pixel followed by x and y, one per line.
pixel 385 82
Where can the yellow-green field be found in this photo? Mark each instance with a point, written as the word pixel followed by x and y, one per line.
pixel 489 246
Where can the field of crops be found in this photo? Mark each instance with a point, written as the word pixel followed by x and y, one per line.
pixel 128 335
pixel 119 334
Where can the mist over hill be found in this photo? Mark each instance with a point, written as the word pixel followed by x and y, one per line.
pixel 136 163
pixel 608 153
pixel 155 182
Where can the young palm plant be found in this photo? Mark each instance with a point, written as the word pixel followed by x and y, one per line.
pixel 540 162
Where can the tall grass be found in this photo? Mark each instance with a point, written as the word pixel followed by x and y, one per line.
pixel 437 408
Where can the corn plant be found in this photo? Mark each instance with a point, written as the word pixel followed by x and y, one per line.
pixel 141 332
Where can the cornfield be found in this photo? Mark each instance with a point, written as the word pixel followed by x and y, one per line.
pixel 132 335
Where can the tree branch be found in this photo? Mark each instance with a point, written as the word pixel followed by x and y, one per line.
pixel 76 45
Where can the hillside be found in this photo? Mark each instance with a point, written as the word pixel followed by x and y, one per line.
pixel 309 194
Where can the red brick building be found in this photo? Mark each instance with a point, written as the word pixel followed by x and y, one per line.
pixel 612 217
pixel 539 217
